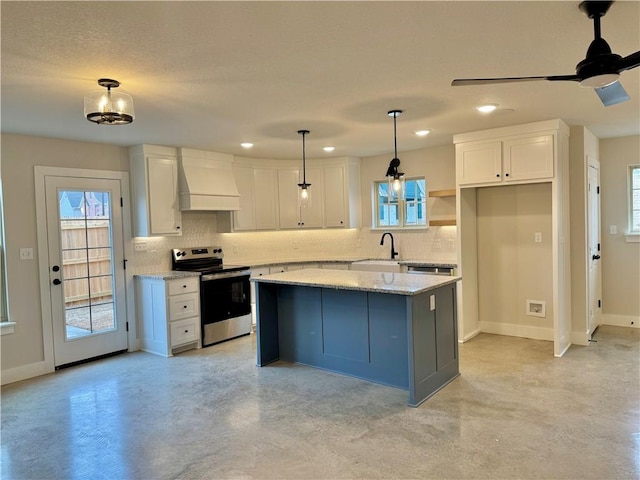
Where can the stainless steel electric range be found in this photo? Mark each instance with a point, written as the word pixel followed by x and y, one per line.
pixel 225 296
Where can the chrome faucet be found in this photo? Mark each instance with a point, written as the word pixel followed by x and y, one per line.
pixel 393 251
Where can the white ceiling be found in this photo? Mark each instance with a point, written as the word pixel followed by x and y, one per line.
pixel 210 75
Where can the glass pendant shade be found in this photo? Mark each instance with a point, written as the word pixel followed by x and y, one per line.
pixel 395 178
pixel 304 198
pixel 108 106
pixel 305 195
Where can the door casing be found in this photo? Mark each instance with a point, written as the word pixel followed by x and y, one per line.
pixel 40 174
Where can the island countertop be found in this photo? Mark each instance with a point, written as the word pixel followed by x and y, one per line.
pixel 380 282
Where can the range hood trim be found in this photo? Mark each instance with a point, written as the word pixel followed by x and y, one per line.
pixel 207 182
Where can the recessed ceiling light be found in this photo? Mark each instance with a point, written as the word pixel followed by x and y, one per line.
pixel 487 108
pixel 246 145
pixel 329 149
pixel 422 133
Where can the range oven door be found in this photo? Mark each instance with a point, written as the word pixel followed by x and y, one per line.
pixel 225 307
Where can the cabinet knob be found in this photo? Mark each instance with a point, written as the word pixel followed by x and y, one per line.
pixel 498 175
pixel 184 286
pixel 184 306
pixel 186 331
pixel 341 222
pixel 506 174
pixel 178 227
pixel 57 281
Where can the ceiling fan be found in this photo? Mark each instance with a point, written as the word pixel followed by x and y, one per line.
pixel 600 69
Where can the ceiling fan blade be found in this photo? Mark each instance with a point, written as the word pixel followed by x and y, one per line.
pixel 629 62
pixel 612 94
pixel 485 81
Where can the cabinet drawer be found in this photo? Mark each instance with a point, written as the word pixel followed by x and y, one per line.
pixel 184 285
pixel 183 306
pixel 185 331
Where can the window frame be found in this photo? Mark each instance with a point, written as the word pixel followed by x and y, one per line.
pixel 402 206
pixel 630 192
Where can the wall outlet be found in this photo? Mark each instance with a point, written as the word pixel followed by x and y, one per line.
pixel 436 244
pixel 538 237
pixel 296 245
pixel 140 247
pixel 26 254
pixel 536 308
pixel 613 229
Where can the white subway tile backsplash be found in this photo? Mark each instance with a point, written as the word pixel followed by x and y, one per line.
pixel 252 248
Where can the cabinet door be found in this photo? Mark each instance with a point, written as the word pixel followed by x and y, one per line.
pixel 311 215
pixel 289 210
pixel 245 218
pixel 528 158
pixel 164 210
pixel 335 207
pixel 479 163
pixel 266 198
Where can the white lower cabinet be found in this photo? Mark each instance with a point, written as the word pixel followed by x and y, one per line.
pixel 168 312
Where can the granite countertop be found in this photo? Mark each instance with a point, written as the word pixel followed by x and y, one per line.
pixel 167 275
pixel 415 263
pixel 393 283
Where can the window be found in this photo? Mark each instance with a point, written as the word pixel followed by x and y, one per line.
pixel 3 293
pixel 390 212
pixel 634 199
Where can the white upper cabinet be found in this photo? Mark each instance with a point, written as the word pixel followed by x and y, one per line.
pixel 154 172
pixel 292 215
pixel 528 158
pixel 512 159
pixel 265 184
pixel 479 162
pixel 258 200
pixel 335 205
pixel 245 218
pixel 269 195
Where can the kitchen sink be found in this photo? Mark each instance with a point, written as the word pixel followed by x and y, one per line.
pixel 378 266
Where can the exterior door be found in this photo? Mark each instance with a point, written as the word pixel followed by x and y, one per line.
pixel 86 267
pixel 595 273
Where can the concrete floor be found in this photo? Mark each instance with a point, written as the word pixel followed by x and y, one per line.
pixel 515 412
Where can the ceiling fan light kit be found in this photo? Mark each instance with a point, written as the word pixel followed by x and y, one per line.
pixel 600 69
pixel 110 107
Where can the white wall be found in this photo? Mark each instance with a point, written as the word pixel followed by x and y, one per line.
pixel 512 266
pixel 620 260
pixel 19 155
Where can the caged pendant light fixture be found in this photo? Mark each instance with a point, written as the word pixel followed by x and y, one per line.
pixel 305 199
pixel 395 178
pixel 110 107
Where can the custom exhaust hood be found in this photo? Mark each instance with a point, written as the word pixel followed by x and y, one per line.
pixel 207 181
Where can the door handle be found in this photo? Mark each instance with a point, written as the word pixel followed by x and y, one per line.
pixel 595 257
pixel 57 281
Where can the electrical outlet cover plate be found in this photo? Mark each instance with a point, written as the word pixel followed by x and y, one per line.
pixel 536 308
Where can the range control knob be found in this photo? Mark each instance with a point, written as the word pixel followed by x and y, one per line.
pixel 184 253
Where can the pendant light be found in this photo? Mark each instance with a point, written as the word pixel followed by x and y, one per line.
pixel 108 108
pixel 395 178
pixel 305 199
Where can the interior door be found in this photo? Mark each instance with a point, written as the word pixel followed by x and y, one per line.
pixel 595 273
pixel 86 267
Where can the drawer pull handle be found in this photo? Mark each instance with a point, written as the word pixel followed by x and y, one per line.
pixel 186 331
pixel 184 306
pixel 184 286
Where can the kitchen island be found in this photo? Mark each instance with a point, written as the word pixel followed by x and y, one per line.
pixel 391 328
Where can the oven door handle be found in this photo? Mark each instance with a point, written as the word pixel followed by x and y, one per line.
pixel 219 276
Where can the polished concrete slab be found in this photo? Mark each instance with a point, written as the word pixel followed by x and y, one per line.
pixel 515 412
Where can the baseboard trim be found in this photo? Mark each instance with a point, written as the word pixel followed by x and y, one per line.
pixel 11 375
pixel 620 320
pixel 580 338
pixel 512 330
pixel 469 336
